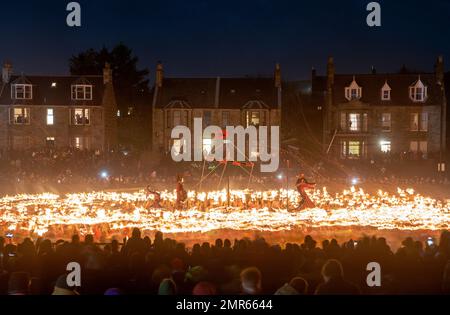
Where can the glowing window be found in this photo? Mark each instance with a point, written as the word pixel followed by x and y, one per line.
pixel 385 146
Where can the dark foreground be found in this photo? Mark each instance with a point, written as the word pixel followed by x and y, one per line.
pixel 227 267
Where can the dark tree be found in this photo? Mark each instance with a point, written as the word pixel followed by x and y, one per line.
pixel 131 86
pixel 127 77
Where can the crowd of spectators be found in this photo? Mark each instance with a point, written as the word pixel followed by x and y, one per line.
pixel 70 170
pixel 251 267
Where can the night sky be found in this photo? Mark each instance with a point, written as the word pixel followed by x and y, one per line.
pixel 230 38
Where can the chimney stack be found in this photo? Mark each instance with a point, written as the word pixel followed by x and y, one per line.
pixel 330 72
pixel 373 70
pixel 107 74
pixel 313 73
pixel 7 72
pixel 159 74
pixel 439 69
pixel 277 76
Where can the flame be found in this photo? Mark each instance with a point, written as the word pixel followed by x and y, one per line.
pixel 207 211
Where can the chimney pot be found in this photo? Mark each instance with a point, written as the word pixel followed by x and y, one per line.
pixel 7 72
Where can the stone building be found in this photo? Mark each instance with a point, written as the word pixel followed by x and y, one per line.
pixel 369 115
pixel 57 111
pixel 218 101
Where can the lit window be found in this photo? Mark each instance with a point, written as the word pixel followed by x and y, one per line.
pixel 354 149
pixel 53 84
pixel 386 122
pixel 50 117
pixel 424 122
pixel 354 122
pixel 81 116
pixel 22 91
pixel 414 122
pixel 177 146
pixel 82 143
pixel 353 91
pixel 386 92
pixel 21 116
pixel 118 113
pixel 385 146
pixel 418 92
pixel 81 92
pixel 78 143
pixel 419 147
pixel 207 146
pixel 50 141
pixel 253 118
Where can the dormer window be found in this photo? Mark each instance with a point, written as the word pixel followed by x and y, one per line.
pixel 81 92
pixel 22 91
pixel 353 91
pixel 386 92
pixel 418 92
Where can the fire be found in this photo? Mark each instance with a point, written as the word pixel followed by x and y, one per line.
pixel 207 211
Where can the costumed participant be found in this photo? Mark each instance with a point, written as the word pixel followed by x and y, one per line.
pixel 302 185
pixel 156 197
pixel 181 193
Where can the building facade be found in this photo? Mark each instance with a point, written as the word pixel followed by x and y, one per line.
pixel 218 101
pixel 371 115
pixel 57 111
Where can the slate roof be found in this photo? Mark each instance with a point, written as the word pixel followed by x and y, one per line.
pixel 230 93
pixel 45 94
pixel 371 85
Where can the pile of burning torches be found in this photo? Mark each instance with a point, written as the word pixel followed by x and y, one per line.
pixel 106 213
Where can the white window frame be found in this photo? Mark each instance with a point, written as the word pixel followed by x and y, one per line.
pixel 86 91
pixel 413 92
pixel 422 124
pixel 353 87
pixel 25 87
pixel 386 88
pixel 357 120
pixel 50 118
pixel 12 115
pixel 386 126
pixel 84 111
